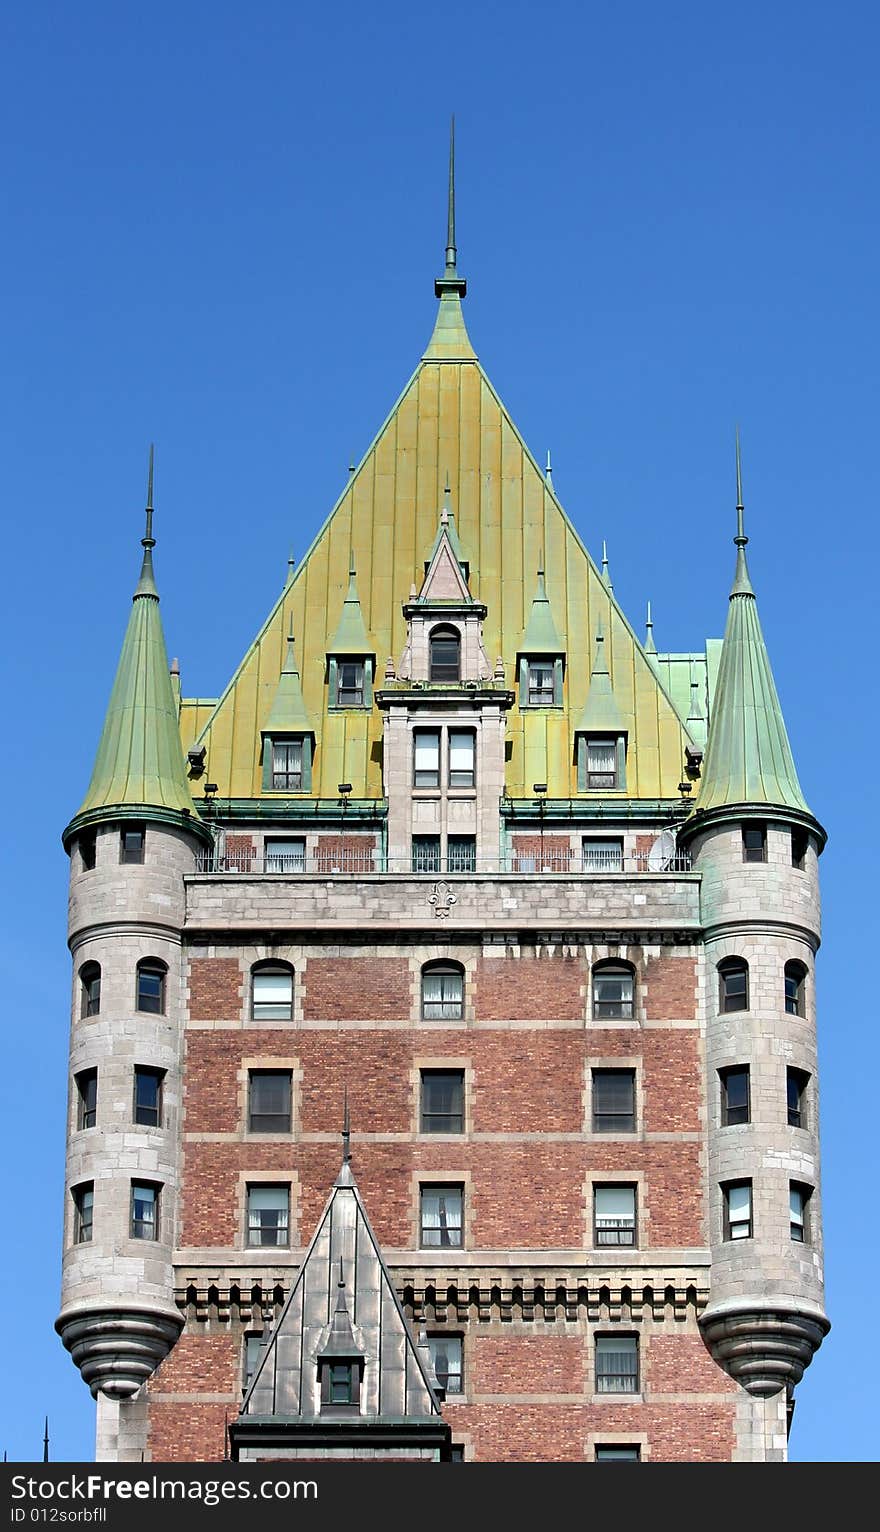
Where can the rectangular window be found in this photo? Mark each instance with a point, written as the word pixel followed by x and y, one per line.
pixel 442 1101
pixel 442 993
pixel 462 758
pixel 272 998
pixel 350 683
pixel 614 1100
pixel 461 853
pixel 148 1097
pixel 426 853
pixel 426 758
pixel 614 1453
pixel 88 843
pixel 446 1354
pixel 737 1209
pixel 601 855
pixel 144 1210
pixel 131 845
pixel 614 1215
pixel 268 1215
pixel 733 986
pixel 613 992
pixel 87 1098
pixel 798 1201
pixel 285 855
pixel 601 764
pixel 269 1101
pixel 83 1212
pixel 800 844
pixel 796 1081
pixel 542 683
pixel 252 1345
pixel 340 1383
pixel 90 978
pixel 754 843
pixel 287 765
pixel 441 1216
pixel 151 989
pixel 617 1364
pixel 735 1107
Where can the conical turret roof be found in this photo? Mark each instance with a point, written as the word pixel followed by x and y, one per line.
pixel 351 634
pixel 288 713
pixel 601 714
pixel 541 635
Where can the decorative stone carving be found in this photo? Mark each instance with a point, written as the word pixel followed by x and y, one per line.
pixel 442 898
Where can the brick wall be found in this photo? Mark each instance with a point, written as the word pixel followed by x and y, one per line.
pixel 215 989
pixel 549 988
pixel 671 989
pixel 373 988
pixel 187 1432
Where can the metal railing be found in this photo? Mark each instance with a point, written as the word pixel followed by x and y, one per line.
pixel 356 863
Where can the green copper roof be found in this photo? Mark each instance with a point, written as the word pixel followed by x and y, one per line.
pixel 140 757
pixel 541 635
pixel 450 340
pixel 748 757
pixel 351 635
pixel 288 714
pixel 601 715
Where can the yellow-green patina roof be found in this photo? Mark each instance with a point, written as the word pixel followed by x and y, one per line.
pixel 448 420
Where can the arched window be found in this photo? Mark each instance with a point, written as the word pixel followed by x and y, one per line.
pixel 442 992
pixel 445 662
pixel 795 988
pixel 733 985
pixel 90 989
pixel 613 991
pixel 272 992
pixel 151 974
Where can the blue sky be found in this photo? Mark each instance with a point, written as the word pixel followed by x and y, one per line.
pixel 222 227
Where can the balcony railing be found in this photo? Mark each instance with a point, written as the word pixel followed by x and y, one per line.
pixel 353 863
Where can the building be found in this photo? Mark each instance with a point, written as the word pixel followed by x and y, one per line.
pixel 542 903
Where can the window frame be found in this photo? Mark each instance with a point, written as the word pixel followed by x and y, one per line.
pixel 615 1244
pixel 86 1079
pixel 282 1226
pixel 430 1188
pixel 632 1349
pixel 456 1337
pixel 730 1224
pixel 424 844
pixel 90 1000
pixel 155 968
pixel 442 968
pixel 724 1076
pixel 795 974
pixel 800 1078
pixel 804 1191
pixel 471 773
pixel 604 969
pixel 461 853
pixel 255 1075
pixel 88 850
pixel 134 1222
pixel 613 862
pixel 601 1072
pixel 430 776
pixel 282 738
pixel 758 832
pixel 800 845
pixel 132 856
pixel 583 742
pixel 277 1010
pixel 148 1072
pixel 444 633
pixel 83 1226
pixel 296 855
pixel 726 969
pixel 457 1078
pixel 617 1452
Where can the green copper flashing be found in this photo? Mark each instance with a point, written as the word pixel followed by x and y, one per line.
pixel 748 756
pixel 140 763
pixel 288 712
pixel 351 634
pixel 542 635
pixel 601 714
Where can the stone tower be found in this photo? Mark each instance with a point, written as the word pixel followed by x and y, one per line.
pixel 541 902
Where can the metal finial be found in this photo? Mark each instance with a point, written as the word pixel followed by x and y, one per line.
pixel 451 252
pixel 346 1131
pixel 740 538
pixel 148 539
pixel 650 646
pixel 46 1441
pixel 605 572
pixel 341 1274
pixel 351 466
pixel 352 571
pixel 548 471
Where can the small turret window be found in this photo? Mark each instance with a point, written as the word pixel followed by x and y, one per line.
pixel 737 1209
pixel 800 844
pixel 88 843
pixel 83 1212
pixel 733 985
pixel 147 1103
pixel 445 655
pixel 151 986
pixel 132 843
pixel 90 989
pixel 754 839
pixel 795 988
pixel 798 1203
pixel 796 1081
pixel 87 1098
pixel 144 1210
pixel 735 1103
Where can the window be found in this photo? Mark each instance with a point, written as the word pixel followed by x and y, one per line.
pixel 614 1100
pixel 426 761
pixel 445 655
pixel 340 1379
pixel 268 1215
pixel 737 1209
pixel 144 1210
pixel 151 986
pixel 542 683
pixel 795 988
pixel 796 1081
pixel 754 843
pixel 614 1453
pixel 798 1200
pixel 88 850
pixel 285 855
pixel 617 1364
pixel 733 985
pixel 426 853
pixel 251 1358
pixel 83 1212
pixel 601 855
pixel 272 993
pixel 350 683
pixel 287 765
pixel 340 1383
pixel 442 992
pixel 601 764
pixel 735 1106
pixel 441 1216
pixel 269 1101
pixel 131 847
pixel 462 758
pixel 148 1096
pixel 446 1360
pixel 87 1098
pixel 614 1215
pixel 461 853
pixel 800 845
pixel 442 1101
pixel 613 986
pixel 90 987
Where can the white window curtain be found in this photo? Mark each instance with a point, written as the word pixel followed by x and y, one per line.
pixel 273 995
pixel 441 1217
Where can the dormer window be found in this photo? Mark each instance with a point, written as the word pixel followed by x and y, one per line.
pixel 445 656
pixel 542 692
pixel 340 1383
pixel 601 764
pixel 287 765
pixel 350 690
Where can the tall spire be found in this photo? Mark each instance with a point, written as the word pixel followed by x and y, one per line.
pixel 748 757
pixel 139 765
pixel 450 340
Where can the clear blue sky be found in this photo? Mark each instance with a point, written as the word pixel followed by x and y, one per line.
pixel 222 225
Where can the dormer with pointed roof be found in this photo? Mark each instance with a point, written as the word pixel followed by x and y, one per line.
pixel 601 732
pixel 444 640
pixel 541 656
pixel 288 734
pixel 351 658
